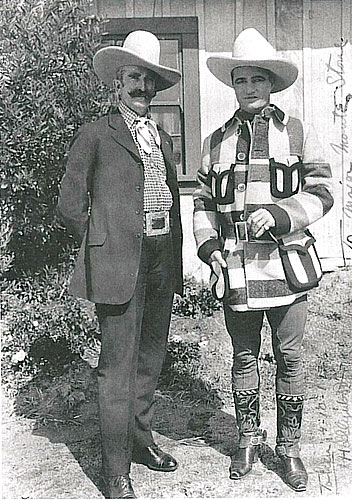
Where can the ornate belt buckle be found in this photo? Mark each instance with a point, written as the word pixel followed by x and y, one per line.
pixel 157 223
pixel 241 231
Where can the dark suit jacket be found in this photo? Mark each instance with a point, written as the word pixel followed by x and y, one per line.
pixel 101 203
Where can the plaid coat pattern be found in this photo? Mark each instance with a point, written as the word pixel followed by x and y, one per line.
pixel 271 162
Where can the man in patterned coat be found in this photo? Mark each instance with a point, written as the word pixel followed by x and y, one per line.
pixel 119 197
pixel 262 182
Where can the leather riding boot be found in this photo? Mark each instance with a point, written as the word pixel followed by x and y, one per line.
pixel 289 420
pixel 251 437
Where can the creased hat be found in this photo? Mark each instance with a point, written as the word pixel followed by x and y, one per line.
pixel 250 48
pixel 140 48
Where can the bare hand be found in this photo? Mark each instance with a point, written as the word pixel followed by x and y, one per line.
pixel 260 221
pixel 216 257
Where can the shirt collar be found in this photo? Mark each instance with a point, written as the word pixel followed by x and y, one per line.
pixel 129 115
pixel 270 111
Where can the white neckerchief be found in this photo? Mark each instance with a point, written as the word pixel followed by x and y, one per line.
pixel 145 128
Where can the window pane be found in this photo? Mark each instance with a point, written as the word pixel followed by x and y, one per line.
pixel 170 57
pixel 168 117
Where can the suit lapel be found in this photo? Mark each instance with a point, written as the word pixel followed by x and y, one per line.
pixel 121 134
pixel 166 150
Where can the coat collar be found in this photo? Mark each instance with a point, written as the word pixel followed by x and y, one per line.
pixel 270 111
pixel 121 134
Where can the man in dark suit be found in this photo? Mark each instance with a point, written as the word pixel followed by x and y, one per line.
pixel 119 197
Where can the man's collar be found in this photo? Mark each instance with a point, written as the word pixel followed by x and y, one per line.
pixel 269 111
pixel 128 114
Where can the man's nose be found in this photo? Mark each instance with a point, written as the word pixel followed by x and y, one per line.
pixel 250 88
pixel 141 84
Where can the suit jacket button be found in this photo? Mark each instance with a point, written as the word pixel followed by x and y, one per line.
pixel 138 212
pixel 241 187
pixel 138 235
pixel 138 188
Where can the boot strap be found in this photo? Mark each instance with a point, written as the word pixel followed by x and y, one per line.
pixel 252 439
pixel 284 450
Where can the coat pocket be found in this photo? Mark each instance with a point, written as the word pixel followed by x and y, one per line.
pixel 222 183
pixel 96 238
pixel 285 177
pixel 300 262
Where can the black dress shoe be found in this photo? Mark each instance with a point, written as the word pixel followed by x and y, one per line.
pixel 118 487
pixel 155 458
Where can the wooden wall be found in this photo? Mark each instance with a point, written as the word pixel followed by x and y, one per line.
pixel 316 35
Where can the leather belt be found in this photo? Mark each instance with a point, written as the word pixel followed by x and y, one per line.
pixel 156 223
pixel 240 232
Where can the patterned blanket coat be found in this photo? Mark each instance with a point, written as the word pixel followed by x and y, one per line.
pixel 268 162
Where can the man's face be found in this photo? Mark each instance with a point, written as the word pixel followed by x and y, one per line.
pixel 252 87
pixel 137 88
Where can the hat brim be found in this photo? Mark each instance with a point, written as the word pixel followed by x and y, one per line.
pixel 108 59
pixel 285 72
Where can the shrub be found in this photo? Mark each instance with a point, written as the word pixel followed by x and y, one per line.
pixel 44 328
pixel 48 89
pixel 196 301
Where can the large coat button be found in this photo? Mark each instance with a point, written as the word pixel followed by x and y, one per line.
pixel 241 156
pixel 241 187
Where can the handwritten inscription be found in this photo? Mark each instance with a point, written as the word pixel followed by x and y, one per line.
pixel 336 76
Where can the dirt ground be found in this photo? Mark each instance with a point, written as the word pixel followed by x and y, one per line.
pixel 56 462
pixel 61 461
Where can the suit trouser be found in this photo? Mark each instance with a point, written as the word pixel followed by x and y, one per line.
pixel 287 325
pixel 134 341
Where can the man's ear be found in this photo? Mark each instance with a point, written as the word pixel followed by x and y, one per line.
pixel 117 84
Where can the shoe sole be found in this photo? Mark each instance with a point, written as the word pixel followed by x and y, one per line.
pixel 170 469
pixel 238 478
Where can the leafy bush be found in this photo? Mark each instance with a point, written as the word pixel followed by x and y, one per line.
pixel 196 301
pixel 44 328
pixel 48 89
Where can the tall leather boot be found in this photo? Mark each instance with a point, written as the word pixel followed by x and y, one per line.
pixel 251 437
pixel 289 419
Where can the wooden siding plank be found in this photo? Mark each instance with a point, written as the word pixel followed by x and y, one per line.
pixel 129 8
pixel 307 60
pixel 219 25
pixel 254 15
pixel 347 20
pixel 270 22
pixel 289 24
pixel 111 8
pixel 191 101
pixel 201 23
pixel 148 8
pixel 183 8
pixel 321 83
pixel 239 20
pixel 166 8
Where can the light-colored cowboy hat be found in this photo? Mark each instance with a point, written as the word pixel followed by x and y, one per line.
pixel 250 48
pixel 140 48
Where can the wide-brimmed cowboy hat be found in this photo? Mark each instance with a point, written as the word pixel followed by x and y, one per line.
pixel 140 48
pixel 250 48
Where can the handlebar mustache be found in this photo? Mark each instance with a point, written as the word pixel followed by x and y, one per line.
pixel 138 93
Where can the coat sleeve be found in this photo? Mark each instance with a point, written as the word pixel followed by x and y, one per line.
pixel 205 219
pixel 315 198
pixel 75 188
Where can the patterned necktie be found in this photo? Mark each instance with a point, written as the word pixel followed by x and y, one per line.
pixel 145 130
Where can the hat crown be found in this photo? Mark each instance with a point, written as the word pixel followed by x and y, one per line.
pixel 251 45
pixel 144 45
